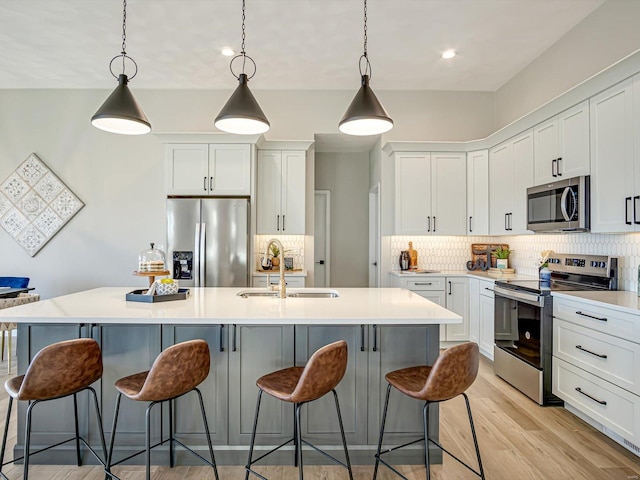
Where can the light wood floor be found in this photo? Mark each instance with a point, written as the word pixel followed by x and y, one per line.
pixel 518 440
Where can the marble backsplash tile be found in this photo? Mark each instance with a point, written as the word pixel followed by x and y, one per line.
pixel 452 253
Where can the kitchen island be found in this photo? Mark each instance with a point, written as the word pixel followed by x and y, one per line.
pixel 385 329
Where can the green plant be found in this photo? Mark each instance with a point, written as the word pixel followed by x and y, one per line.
pixel 501 253
pixel 275 251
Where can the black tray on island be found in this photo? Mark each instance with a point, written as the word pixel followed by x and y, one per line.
pixel 139 296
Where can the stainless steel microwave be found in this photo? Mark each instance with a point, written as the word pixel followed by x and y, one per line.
pixel 561 206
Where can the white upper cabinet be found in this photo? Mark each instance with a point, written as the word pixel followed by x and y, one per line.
pixel 511 173
pixel 281 192
pixel 430 193
pixel 614 208
pixel 478 193
pixel 562 146
pixel 204 169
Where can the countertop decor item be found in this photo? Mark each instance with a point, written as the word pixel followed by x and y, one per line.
pixel 502 257
pixel 141 296
pixel 120 113
pixel 365 115
pixel 242 114
pixel 413 257
pixel 483 251
pixel 35 204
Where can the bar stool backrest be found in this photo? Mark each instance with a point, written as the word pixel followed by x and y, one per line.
pixel 61 369
pixel 452 373
pixel 177 370
pixel 322 373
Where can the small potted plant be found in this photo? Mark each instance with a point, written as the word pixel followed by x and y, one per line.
pixel 502 257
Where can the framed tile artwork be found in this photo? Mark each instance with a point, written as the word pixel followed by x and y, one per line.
pixel 35 204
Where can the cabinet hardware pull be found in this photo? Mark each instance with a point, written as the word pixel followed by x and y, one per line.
pixel 211 184
pixel 278 223
pixel 234 337
pixel 489 289
pixel 449 288
pixel 221 337
pixel 423 283
pixel 635 209
pixel 626 210
pixel 205 184
pixel 362 338
pixel 558 167
pixel 511 221
pixel 554 167
pixel 429 227
pixel 470 229
pixel 375 338
pixel 283 228
pixel 579 347
pixel 602 319
pixel 434 224
pixel 506 227
pixel 601 402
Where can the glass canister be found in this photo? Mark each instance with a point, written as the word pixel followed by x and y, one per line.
pixel 151 260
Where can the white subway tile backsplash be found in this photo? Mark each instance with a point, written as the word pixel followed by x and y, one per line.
pixel 452 253
pixel 293 243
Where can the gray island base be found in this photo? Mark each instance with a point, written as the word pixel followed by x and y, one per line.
pixel 385 329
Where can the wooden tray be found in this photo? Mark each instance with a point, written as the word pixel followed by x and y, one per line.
pixel 498 272
pixel 479 251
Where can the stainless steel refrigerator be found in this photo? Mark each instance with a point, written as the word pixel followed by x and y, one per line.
pixel 208 241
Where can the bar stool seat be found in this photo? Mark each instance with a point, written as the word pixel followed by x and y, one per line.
pixel 177 371
pixel 58 370
pixel 453 372
pixel 300 385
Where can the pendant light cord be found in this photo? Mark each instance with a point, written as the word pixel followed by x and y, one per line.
pixel 365 28
pixel 243 53
pixel 367 67
pixel 124 32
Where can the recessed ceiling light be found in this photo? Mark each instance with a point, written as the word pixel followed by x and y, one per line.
pixel 447 54
pixel 228 52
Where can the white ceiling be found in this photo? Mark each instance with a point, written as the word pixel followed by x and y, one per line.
pixel 297 44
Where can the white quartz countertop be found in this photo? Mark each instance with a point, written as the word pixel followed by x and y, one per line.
pixel 222 305
pixel 623 301
pixel 276 273
pixel 483 275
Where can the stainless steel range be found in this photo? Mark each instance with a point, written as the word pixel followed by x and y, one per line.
pixel 524 316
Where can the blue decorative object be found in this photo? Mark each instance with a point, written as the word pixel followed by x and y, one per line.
pixel 14 282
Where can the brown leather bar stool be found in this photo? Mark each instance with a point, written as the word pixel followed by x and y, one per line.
pixel 58 370
pixel 452 373
pixel 178 370
pixel 300 385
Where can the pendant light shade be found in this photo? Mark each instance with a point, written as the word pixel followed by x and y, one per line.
pixel 365 115
pixel 242 114
pixel 120 113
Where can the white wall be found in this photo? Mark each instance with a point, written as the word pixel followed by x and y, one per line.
pixel 606 36
pixel 346 175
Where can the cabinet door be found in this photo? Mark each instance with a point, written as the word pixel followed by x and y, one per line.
pixel 439 298
pixel 398 347
pixel 268 192
pixel 522 159
pixel 186 169
pixel 413 193
pixel 458 302
pixel 573 142
pixel 319 418
pixel 546 151
pixel 474 310
pixel 500 188
pixel 215 388
pixel 260 281
pixel 293 193
pixel 256 350
pixel 448 193
pixel 486 326
pixel 229 169
pixel 478 193
pixel 612 182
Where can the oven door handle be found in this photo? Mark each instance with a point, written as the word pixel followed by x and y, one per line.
pixel 519 295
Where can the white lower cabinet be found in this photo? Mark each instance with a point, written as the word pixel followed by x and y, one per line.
pixel 596 364
pixel 291 281
pixel 486 304
pixel 474 310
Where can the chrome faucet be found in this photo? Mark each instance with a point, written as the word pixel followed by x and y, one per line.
pixel 282 285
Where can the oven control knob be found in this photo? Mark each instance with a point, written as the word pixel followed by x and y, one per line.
pixel 603 264
pixel 594 263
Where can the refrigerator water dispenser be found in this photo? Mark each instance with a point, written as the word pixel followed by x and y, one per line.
pixel 183 265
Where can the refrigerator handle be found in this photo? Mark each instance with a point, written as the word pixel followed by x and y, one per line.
pixel 203 238
pixel 196 255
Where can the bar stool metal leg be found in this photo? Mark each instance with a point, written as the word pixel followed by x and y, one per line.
pixel 147 431
pixel 384 419
pixel 253 435
pixel 113 433
pixel 344 438
pixel 172 449
pixel 206 432
pixel 299 441
pixel 75 418
pixel 27 440
pixel 473 433
pixel 295 438
pixel 425 420
pixel 4 436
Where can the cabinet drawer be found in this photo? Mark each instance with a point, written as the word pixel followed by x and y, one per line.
pixel 607 404
pixel 424 283
pixel 602 319
pixel 486 288
pixel 292 282
pixel 610 358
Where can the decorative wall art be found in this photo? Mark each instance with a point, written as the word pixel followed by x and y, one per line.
pixel 35 204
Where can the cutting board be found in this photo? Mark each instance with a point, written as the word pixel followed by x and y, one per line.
pixel 479 251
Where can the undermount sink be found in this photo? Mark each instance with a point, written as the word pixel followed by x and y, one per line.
pixel 293 293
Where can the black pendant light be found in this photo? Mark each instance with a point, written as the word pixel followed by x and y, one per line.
pixel 242 114
pixel 120 113
pixel 365 115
